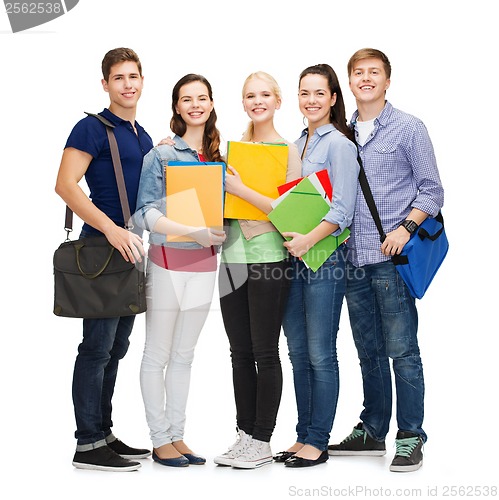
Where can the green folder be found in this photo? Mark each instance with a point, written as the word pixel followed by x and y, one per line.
pixel 300 211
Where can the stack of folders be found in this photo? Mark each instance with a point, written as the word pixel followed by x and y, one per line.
pixel 194 194
pixel 300 208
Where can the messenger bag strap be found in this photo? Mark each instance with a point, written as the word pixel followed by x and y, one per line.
pixel 118 171
pixel 368 195
pixel 423 233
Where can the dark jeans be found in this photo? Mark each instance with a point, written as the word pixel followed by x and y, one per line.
pixel 252 315
pixel 384 322
pixel 105 342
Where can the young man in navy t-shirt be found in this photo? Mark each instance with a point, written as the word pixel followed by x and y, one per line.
pixel 105 341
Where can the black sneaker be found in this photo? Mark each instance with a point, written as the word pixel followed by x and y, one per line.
pixel 358 443
pixel 409 454
pixel 126 451
pixel 103 458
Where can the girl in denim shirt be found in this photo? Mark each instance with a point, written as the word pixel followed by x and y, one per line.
pixel 312 316
pixel 180 275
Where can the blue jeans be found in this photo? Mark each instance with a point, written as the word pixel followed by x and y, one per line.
pixel 384 323
pixel 105 342
pixel 310 324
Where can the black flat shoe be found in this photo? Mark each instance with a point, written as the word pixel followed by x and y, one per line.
pixel 282 456
pixel 297 462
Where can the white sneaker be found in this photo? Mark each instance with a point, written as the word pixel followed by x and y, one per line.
pixel 258 453
pixel 240 445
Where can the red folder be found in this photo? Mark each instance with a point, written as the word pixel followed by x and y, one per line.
pixel 323 177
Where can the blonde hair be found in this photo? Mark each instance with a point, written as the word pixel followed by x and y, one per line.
pixel 275 89
pixel 368 53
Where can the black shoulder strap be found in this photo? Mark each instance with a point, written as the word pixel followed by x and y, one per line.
pixel 366 189
pixel 118 171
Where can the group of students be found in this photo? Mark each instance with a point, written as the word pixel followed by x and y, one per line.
pixel 263 283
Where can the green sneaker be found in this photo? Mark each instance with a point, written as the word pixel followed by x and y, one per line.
pixel 358 443
pixel 409 454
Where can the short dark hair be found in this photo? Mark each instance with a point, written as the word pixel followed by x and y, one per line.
pixel 116 56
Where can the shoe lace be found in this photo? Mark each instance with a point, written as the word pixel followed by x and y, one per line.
pixel 356 433
pixel 240 444
pixel 406 446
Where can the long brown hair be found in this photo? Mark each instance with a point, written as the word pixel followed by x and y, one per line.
pixel 337 114
pixel 211 135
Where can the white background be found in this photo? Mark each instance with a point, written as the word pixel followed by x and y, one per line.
pixel 444 59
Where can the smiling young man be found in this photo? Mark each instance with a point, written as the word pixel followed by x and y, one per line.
pixel 105 341
pixel 400 165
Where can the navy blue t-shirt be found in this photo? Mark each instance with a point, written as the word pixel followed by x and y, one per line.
pixel 89 135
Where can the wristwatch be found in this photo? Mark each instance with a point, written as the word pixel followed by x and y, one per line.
pixel 410 225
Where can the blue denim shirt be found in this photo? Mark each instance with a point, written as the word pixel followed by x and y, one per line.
pixel 330 149
pixel 401 168
pixel 151 198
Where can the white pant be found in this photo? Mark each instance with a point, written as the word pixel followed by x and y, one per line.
pixel 177 306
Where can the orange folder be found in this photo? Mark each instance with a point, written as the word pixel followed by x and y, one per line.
pixel 194 195
pixel 262 167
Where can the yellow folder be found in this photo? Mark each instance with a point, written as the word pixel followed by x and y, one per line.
pixel 262 167
pixel 194 195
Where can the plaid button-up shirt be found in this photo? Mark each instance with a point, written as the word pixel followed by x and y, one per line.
pixel 401 168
